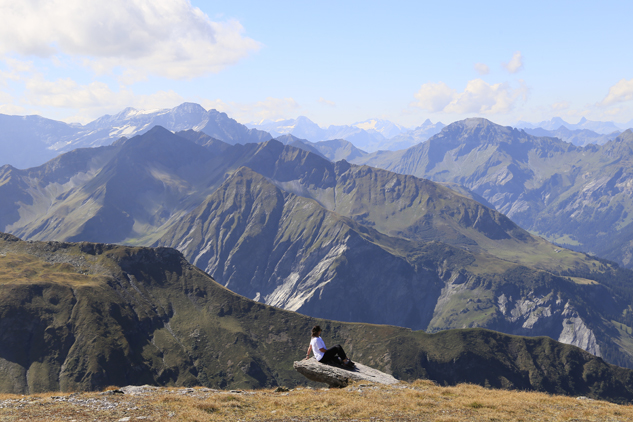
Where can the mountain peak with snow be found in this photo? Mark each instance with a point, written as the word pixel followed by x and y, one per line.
pixel 384 127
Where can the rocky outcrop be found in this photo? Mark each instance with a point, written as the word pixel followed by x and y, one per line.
pixel 335 376
pixel 549 314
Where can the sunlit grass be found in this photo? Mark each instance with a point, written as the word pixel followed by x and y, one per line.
pixel 17 268
pixel 419 400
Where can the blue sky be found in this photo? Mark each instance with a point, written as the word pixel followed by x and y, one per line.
pixel 334 62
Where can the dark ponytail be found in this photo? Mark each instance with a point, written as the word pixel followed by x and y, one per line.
pixel 315 331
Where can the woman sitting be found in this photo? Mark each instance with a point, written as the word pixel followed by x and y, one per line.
pixel 322 354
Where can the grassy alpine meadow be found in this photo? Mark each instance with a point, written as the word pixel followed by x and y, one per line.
pixel 420 400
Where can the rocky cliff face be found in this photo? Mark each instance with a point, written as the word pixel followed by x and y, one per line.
pixel 551 313
pixel 464 302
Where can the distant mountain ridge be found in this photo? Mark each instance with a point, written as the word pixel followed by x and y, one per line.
pixel 304 128
pixel 579 137
pixel 370 135
pixel 555 123
pixel 333 150
pixel 413 137
pixel 30 141
pixel 384 127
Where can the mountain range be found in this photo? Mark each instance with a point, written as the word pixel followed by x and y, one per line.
pixel 576 197
pixel 333 150
pixel 556 123
pixel 84 316
pixel 579 137
pixel 289 224
pixel 289 228
pixel 28 141
pixel 370 135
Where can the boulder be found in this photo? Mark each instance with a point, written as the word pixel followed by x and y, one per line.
pixel 137 389
pixel 335 376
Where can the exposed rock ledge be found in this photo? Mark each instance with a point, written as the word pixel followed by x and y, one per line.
pixel 339 377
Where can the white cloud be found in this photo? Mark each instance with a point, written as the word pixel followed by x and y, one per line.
pixel 618 93
pixel 482 68
pixel 481 98
pixel 218 105
pixel 434 97
pixel 478 97
pixel 15 69
pixel 326 102
pixel 563 105
pixel 617 112
pixel 66 93
pixel 8 106
pixel 274 107
pixel 92 100
pixel 270 108
pixel 131 76
pixel 12 109
pixel 169 38
pixel 515 64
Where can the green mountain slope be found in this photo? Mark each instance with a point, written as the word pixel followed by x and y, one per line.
pixel 404 206
pixel 576 197
pixel 127 192
pixel 84 316
pixel 291 252
pixel 134 191
pixel 411 208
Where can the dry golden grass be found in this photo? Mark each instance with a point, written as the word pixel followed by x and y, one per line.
pixel 19 268
pixel 420 400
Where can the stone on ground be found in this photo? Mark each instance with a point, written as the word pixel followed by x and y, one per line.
pixel 335 376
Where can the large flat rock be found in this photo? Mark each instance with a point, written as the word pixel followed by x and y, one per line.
pixel 335 376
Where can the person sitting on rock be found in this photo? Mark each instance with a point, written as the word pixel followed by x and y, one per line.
pixel 322 354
